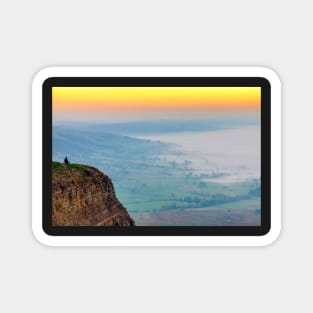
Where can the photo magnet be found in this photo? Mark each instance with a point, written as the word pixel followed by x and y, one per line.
pixel 156 156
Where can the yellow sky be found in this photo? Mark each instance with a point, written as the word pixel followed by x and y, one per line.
pixel 156 98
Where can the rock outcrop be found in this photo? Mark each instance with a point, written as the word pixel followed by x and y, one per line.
pixel 84 196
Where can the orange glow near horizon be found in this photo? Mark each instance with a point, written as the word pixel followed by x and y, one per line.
pixel 154 98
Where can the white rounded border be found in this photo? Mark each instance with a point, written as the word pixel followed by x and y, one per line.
pixel 42 237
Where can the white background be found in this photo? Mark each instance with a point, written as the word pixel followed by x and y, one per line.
pixel 37 34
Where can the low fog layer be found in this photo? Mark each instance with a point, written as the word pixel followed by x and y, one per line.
pixel 228 155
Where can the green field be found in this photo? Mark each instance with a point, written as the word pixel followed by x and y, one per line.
pixel 171 189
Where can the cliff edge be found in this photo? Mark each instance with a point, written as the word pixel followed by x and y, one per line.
pixel 84 196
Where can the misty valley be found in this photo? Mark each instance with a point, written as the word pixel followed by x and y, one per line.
pixel 193 173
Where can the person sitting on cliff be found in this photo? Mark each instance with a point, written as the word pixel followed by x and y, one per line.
pixel 66 161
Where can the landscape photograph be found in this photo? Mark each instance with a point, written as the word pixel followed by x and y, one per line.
pixel 156 156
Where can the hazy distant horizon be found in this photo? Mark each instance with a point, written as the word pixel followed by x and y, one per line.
pixel 154 115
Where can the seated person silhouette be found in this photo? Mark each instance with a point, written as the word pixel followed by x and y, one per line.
pixel 66 161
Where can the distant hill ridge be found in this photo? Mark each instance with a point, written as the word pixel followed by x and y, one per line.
pixel 84 196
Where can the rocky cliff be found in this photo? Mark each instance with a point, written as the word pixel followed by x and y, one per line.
pixel 84 196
